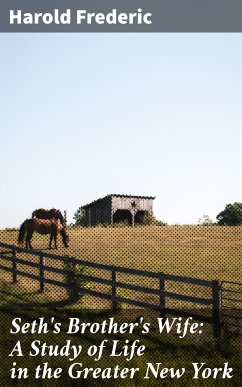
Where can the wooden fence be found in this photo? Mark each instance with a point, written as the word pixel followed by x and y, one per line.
pixel 231 303
pixel 212 303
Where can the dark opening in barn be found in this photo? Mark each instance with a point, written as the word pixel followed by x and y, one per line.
pixel 124 216
pixel 139 217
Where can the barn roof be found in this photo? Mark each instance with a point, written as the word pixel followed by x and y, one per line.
pixel 118 195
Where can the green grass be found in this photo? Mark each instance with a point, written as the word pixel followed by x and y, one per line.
pixel 204 252
pixel 167 349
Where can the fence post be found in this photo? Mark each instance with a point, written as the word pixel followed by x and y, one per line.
pixel 14 255
pixel 162 295
pixel 74 283
pixel 42 273
pixel 114 292
pixel 217 325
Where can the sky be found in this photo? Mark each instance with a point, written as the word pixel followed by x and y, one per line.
pixel 86 115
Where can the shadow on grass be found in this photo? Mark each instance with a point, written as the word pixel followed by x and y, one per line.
pixel 163 348
pixel 24 304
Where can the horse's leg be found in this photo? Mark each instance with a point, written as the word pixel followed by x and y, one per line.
pixel 51 239
pixel 55 236
pixel 29 240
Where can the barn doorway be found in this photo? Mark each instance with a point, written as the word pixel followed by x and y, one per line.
pixel 122 216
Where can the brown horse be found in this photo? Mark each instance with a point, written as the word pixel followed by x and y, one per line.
pixel 49 214
pixel 42 226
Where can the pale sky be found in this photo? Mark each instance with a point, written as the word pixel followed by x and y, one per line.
pixel 85 115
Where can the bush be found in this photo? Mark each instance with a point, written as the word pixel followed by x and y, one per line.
pixel 149 220
pixel 75 283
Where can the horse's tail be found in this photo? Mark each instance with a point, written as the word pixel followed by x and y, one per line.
pixel 21 233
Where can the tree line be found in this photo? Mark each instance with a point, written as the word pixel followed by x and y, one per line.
pixel 230 216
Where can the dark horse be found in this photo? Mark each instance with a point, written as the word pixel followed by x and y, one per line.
pixel 48 214
pixel 42 226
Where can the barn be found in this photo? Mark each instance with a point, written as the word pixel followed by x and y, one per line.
pixel 117 208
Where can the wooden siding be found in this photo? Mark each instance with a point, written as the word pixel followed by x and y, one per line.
pixel 101 211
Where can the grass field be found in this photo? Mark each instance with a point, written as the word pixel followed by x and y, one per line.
pixel 205 252
pixel 208 252
pixel 166 349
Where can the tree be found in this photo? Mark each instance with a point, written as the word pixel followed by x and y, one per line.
pixel 205 221
pixel 231 215
pixel 80 217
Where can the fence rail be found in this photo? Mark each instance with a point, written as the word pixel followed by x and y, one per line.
pixel 231 302
pixel 9 254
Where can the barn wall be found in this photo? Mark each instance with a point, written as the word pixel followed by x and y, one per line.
pixel 133 204
pixel 99 212
pixel 102 211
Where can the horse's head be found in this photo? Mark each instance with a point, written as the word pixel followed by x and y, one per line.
pixel 65 237
pixel 61 217
pixel 57 215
